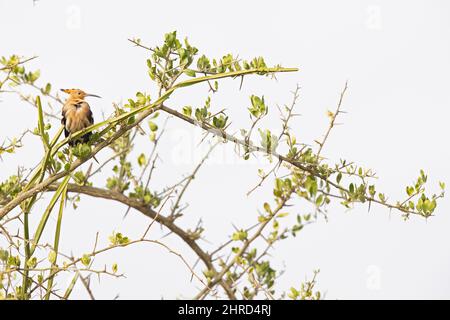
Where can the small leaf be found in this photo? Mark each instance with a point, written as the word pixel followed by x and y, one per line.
pixel 31 263
pixel 86 260
pixel 282 214
pixel 351 188
pixel 187 111
pixel 52 257
pixel 141 160
pixel 267 208
pixel 153 126
pixel 239 235
pixel 189 73
pixel 409 190
pixel 319 200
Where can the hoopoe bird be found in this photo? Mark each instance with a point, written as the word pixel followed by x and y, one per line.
pixel 76 114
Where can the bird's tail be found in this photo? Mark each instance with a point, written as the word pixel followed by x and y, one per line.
pixel 84 139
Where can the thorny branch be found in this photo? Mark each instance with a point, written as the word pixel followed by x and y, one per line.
pixel 308 175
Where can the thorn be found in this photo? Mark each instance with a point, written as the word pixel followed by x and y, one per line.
pixel 242 81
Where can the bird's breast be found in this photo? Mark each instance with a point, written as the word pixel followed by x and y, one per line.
pixel 77 118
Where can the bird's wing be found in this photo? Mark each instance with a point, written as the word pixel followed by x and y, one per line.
pixel 64 119
pixel 63 114
pixel 84 111
pixel 89 114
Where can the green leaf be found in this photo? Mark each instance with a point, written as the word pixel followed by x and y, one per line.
pixel 268 141
pixel 220 122
pixel 419 204
pixel 293 294
pixel 52 257
pixel 239 235
pixel 189 73
pixel 351 188
pixel 56 241
pixel 47 212
pixel 141 160
pixel 86 260
pixel 47 89
pixel 187 111
pixel 4 254
pixel 41 125
pixel 313 188
pixel 372 190
pixel 409 190
pixel 258 107
pixel 33 76
pixel 319 200
pixel 141 98
pixel 153 126
pixel 282 215
pixel 31 263
pixel 118 239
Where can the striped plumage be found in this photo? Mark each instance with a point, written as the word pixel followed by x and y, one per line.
pixel 76 114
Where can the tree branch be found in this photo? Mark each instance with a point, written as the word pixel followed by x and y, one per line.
pixel 253 148
pixel 147 211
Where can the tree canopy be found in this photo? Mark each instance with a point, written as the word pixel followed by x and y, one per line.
pixel 240 267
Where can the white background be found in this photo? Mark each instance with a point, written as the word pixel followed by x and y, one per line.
pixel 396 57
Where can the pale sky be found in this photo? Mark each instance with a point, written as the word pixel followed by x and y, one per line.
pixel 396 57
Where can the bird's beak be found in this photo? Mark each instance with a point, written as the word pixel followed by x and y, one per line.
pixel 92 95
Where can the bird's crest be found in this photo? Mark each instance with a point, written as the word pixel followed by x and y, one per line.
pixel 78 93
